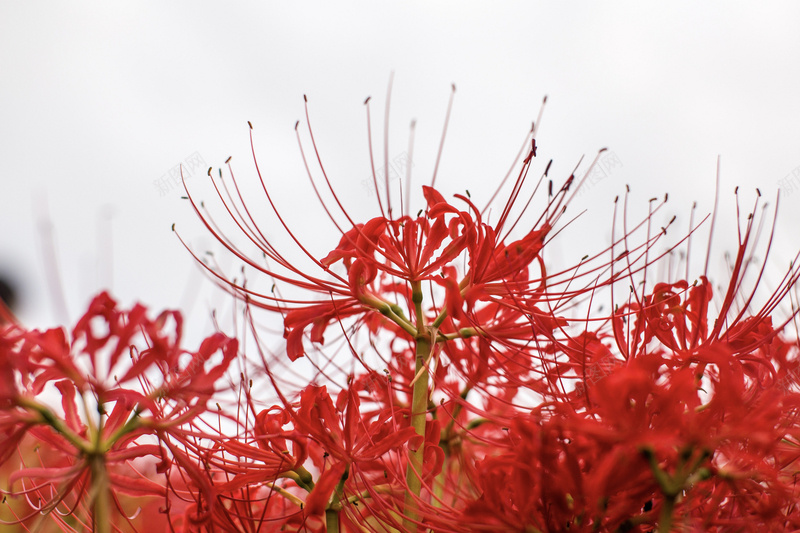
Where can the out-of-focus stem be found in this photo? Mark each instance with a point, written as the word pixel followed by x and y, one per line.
pixel 99 493
pixel 456 411
pixel 665 519
pixel 53 421
pixel 439 482
pixel 687 474
pixel 129 426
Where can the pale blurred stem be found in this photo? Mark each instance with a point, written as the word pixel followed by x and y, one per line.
pixel 93 449
pixel 456 411
pixel 439 481
pixel 419 409
pixel 668 489
pixel 92 430
pixel 53 421
pixel 101 484
pixel 99 493
pixel 132 424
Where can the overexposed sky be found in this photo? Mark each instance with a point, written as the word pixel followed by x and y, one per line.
pixel 99 101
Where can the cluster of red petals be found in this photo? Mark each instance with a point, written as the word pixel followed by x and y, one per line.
pixel 676 410
pixel 484 390
pixel 711 434
pixel 727 461
pixel 130 399
pixel 384 257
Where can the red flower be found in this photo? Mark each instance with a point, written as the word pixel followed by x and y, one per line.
pixel 128 392
pixel 493 394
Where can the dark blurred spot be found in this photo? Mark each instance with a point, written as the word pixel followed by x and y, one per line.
pixel 8 292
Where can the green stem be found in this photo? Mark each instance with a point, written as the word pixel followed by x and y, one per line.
pixel 439 319
pixel 448 435
pixel 48 417
pixel 665 519
pixel 332 512
pixel 456 411
pixel 672 486
pixel 419 409
pixel 101 484
pixel 134 423
pixel 332 521
pixel 439 483
pixel 99 494
pixel 463 333
pixel 364 496
pixel 392 312
pixel 302 477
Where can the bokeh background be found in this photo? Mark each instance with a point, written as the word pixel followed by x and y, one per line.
pixel 101 101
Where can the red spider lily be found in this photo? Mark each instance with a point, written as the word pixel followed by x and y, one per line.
pixel 350 449
pixel 346 443
pixel 677 313
pixel 473 386
pixel 491 326
pixel 128 393
pixel 491 315
pixel 385 257
pixel 621 465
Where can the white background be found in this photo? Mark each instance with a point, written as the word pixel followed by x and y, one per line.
pixel 99 100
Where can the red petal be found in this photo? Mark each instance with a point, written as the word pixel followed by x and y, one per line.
pixel 432 196
pixel 135 486
pixel 319 497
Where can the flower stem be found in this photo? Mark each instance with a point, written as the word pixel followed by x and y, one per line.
pixel 99 495
pixel 48 417
pixel 439 484
pixel 665 519
pixel 332 521
pixel 419 409
pixel 332 512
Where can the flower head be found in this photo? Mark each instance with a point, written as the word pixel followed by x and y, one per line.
pixel 129 396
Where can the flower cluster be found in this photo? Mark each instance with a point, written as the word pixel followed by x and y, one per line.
pixel 457 381
pixel 130 410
